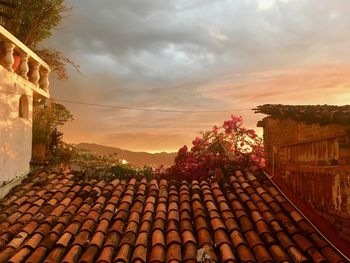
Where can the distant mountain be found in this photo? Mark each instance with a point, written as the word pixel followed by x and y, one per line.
pixel 137 158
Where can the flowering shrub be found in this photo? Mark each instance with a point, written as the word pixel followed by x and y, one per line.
pixel 224 148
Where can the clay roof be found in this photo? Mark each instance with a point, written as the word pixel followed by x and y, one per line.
pixel 67 218
pixel 322 114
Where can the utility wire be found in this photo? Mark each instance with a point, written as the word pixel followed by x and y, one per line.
pixel 135 108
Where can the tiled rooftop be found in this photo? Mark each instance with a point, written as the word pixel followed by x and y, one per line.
pixel 69 218
pixel 322 114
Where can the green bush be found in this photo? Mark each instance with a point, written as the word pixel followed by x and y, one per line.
pixel 108 168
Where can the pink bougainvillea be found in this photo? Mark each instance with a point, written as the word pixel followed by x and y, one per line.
pixel 224 148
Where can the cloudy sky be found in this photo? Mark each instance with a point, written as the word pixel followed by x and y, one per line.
pixel 221 55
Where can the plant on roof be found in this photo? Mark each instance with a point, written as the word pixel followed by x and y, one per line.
pixel 217 152
pixel 47 118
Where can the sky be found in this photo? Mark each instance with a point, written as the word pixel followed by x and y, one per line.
pixel 196 55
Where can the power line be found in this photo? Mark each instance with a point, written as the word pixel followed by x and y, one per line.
pixel 147 109
pixel 135 108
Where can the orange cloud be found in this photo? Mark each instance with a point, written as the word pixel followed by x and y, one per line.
pixel 329 84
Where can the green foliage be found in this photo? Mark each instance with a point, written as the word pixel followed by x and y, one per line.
pixel 32 21
pixel 126 171
pixel 57 62
pixel 108 167
pixel 46 119
pixel 63 153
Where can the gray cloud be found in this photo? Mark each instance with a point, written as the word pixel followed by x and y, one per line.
pixel 170 54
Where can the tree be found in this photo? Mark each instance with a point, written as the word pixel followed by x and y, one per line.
pixel 33 21
pixel 57 61
pixel 46 120
pixel 5 6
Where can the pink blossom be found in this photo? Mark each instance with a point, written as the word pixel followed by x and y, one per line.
pixel 197 141
pixel 237 119
pixel 235 146
pixel 251 133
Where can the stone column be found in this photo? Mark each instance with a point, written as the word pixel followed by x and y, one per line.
pixel 35 75
pixel 23 67
pixel 8 59
pixel 44 79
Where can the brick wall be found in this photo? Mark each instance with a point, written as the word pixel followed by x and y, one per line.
pixel 314 161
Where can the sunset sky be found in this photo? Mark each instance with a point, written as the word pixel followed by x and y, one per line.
pixel 196 55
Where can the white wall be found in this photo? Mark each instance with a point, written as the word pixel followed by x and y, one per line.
pixel 15 132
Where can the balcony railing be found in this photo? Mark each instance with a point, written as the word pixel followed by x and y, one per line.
pixel 18 58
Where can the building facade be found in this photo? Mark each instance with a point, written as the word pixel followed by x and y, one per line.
pixel 308 148
pixel 23 78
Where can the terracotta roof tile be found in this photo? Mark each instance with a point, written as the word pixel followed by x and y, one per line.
pixel 296 255
pixel 185 215
pixel 97 239
pixel 55 255
pixel 128 238
pixel 316 255
pixel 140 254
pixel 38 255
pixel 246 224
pixel 68 219
pixel 268 238
pixel 20 255
pixel 306 227
pixel 262 254
pixel 217 223
pixel 49 240
pixel 72 254
pixel 124 253
pixel 113 239
pixel 17 241
pixel 284 240
pixel 173 253
pixel 65 239
pixel 253 239
pixel 173 236
pixel 188 236
pixel 190 252
pixel 89 255
pixel 276 227
pixel 146 226
pixel 34 240
pixel 322 114
pixel 318 240
pixel 278 253
pixel 237 238
pixel 157 254
pixel 82 238
pixel 245 254
pixel 331 255
pixel 29 227
pixel 173 225
pixel 302 242
pixel 275 207
pixel 88 225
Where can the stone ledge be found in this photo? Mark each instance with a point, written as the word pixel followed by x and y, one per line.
pixel 5 189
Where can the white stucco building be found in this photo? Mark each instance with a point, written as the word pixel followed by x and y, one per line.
pixel 23 78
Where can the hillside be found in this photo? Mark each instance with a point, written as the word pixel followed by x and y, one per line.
pixel 136 158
